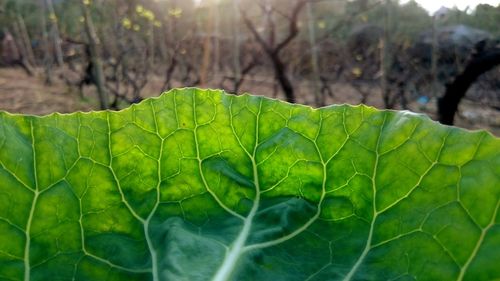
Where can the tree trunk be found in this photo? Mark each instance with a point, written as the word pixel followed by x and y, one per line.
pixel 23 53
pixel 285 83
pixel 318 95
pixel 216 36
pixel 236 47
pixel 207 51
pixel 385 58
pixel 434 57
pixel 151 45
pixel 56 38
pixel 30 55
pixel 94 46
pixel 47 57
pixel 448 104
pixel 272 48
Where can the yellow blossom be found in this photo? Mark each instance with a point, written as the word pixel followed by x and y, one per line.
pixel 357 72
pixel 139 9
pixel 148 15
pixel 175 12
pixel 127 23
pixel 53 17
pixel 321 24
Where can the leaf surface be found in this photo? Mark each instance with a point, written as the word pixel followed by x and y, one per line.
pixel 201 185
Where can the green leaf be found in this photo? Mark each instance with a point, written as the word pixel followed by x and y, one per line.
pixel 201 185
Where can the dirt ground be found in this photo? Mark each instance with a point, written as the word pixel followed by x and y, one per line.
pixel 20 93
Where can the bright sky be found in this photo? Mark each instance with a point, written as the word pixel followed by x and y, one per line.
pixel 434 5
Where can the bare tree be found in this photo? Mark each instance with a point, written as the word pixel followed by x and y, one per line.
pixel 24 55
pixel 318 94
pixel 30 56
pixel 272 48
pixel 386 56
pixel 95 59
pixel 455 91
pixel 56 38
pixel 246 62
pixel 236 48
pixel 207 48
pixel 47 58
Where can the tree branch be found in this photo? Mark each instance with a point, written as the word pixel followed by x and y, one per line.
pixel 293 28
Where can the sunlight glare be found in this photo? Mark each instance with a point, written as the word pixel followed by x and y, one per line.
pixel 432 5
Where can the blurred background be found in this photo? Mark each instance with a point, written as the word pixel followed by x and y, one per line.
pixel 441 58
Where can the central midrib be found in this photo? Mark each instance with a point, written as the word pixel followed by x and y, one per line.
pixel 36 193
pixel 236 249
